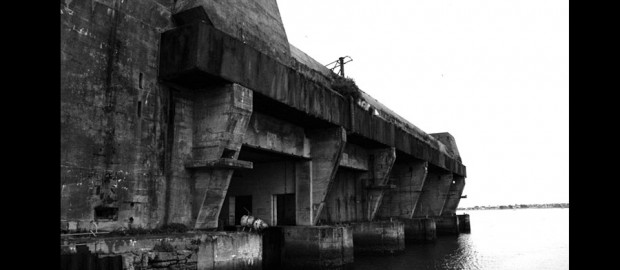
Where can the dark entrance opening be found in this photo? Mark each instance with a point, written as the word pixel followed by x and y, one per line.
pixel 285 209
pixel 106 213
pixel 243 204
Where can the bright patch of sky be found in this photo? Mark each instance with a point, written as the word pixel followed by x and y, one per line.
pixel 492 73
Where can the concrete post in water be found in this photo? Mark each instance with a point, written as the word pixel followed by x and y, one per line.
pixel 447 225
pixel 384 236
pixel 464 226
pixel 419 230
pixel 317 247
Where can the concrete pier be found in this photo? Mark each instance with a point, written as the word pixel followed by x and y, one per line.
pixel 419 230
pixel 317 247
pixel 377 237
pixel 447 225
pixel 464 226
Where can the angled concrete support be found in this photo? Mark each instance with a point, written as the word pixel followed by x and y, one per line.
pixel 382 163
pixel 326 148
pixel 209 193
pixel 434 194
pixel 221 116
pixel 408 177
pixel 448 222
pixel 454 196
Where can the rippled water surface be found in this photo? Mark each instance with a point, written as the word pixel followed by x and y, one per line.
pixel 499 240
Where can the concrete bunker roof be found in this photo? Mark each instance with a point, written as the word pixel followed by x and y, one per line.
pixel 384 111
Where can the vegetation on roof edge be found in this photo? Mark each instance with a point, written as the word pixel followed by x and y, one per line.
pixel 345 86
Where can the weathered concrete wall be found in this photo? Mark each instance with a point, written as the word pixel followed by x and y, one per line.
pixel 317 247
pixel 347 200
pixel 257 23
pixel 355 157
pixel 269 133
pixel 179 188
pixel 448 140
pixel 262 182
pixel 213 250
pixel 409 178
pixel 113 112
pixel 376 237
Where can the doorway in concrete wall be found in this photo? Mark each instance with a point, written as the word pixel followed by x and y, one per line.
pixel 271 185
pixel 284 209
pixel 243 206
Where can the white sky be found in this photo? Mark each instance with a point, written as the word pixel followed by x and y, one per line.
pixel 492 73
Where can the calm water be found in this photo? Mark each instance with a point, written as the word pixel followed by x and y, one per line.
pixel 499 240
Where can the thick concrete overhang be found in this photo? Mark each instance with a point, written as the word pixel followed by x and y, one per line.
pixel 197 54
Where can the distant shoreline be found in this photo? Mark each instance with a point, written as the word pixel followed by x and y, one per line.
pixel 517 206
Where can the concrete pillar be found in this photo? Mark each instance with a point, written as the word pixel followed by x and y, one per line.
pixel 220 118
pixel 317 247
pixel 303 193
pixel 420 230
pixel 409 178
pixel 383 236
pixel 434 194
pixel 464 223
pixel 447 225
pixel 326 148
pixel 381 166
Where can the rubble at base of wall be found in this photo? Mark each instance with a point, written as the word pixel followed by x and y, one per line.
pixel 210 250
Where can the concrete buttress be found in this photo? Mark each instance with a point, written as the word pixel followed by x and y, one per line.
pixel 409 178
pixel 454 196
pixel 381 166
pixel 326 148
pixel 221 115
pixel 434 194
pixel 448 222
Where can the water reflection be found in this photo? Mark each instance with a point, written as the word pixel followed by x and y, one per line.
pixel 500 239
pixel 448 252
